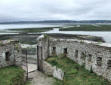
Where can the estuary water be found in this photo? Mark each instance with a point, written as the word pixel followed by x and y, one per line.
pixel 105 34
pixel 15 26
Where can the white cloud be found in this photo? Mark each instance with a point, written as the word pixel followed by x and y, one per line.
pixel 55 9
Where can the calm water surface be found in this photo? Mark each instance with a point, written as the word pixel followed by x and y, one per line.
pixel 105 34
pixel 14 26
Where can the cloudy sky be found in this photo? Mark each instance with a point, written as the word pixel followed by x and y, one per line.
pixel 55 10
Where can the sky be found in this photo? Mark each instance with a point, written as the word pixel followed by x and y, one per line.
pixel 12 10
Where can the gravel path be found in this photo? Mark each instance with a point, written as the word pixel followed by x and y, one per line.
pixel 39 78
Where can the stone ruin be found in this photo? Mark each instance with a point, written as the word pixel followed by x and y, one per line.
pixel 10 53
pixel 94 56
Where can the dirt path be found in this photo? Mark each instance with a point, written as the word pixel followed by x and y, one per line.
pixel 39 78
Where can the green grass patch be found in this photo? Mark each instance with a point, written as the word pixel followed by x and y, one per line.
pixel 75 74
pixel 11 75
pixel 28 83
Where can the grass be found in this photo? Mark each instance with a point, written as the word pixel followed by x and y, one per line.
pixel 11 75
pixel 75 74
pixel 28 83
pixel 88 28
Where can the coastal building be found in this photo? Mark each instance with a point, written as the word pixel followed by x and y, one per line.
pixel 94 56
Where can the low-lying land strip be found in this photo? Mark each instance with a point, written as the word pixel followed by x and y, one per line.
pixel 75 74
pixel 87 28
pixel 30 30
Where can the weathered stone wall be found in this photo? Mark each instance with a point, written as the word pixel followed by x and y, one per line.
pixel 10 54
pixel 89 55
pixel 47 68
pixel 53 71
pixel 3 50
pixel 92 55
pixel 18 54
pixel 42 51
pixel 43 44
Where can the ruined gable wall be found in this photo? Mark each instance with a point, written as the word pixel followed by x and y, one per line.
pixel 3 50
pixel 14 55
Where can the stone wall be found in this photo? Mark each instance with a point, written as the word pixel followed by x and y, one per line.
pixel 93 56
pixel 3 61
pixel 53 71
pixel 47 68
pixel 10 54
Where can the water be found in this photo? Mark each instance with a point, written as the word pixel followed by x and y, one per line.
pixel 105 34
pixel 15 26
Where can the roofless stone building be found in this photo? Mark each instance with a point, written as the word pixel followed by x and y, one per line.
pixel 94 56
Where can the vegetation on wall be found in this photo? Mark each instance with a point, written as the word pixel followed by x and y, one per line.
pixel 75 74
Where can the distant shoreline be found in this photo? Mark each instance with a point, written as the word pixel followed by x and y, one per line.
pixel 58 21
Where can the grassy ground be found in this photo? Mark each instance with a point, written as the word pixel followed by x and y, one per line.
pixel 28 83
pixel 11 76
pixel 88 28
pixel 75 74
